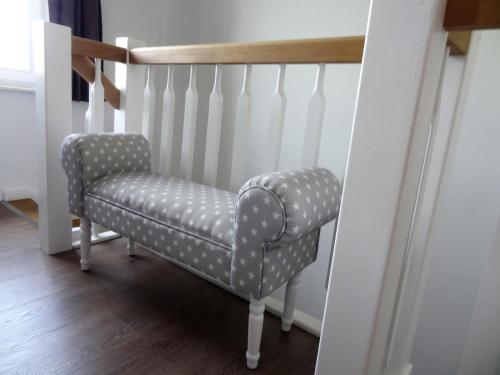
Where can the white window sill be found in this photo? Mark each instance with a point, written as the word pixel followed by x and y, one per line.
pixel 15 88
pixel 11 80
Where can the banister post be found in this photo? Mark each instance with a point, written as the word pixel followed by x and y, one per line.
pixel 129 79
pixel 52 65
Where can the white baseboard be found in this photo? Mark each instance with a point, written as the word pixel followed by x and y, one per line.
pixel 14 194
pixel 302 320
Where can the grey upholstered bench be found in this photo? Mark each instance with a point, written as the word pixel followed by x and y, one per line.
pixel 252 242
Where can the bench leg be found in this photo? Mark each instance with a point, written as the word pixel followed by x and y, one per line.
pixel 131 248
pixel 85 240
pixel 292 288
pixel 255 324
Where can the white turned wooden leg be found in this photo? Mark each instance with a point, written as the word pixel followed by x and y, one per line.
pixel 85 238
pixel 131 248
pixel 255 324
pixel 292 288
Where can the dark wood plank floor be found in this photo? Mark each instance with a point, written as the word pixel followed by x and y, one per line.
pixel 137 315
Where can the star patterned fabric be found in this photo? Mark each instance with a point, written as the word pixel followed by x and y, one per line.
pixel 253 242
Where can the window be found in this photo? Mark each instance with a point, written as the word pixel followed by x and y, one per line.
pixel 16 17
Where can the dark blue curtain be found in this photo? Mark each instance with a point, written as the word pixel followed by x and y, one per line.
pixel 85 20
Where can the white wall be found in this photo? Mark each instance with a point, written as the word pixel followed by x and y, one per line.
pixel 18 174
pixel 464 235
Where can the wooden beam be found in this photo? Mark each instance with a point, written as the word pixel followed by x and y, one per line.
pixel 459 41
pixel 86 69
pixel 95 49
pixel 472 14
pixel 305 51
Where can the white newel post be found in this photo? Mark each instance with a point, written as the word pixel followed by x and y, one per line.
pixel 403 51
pixel 129 79
pixel 52 64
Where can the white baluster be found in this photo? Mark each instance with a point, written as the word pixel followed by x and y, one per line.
pixel 149 108
pixel 314 120
pixel 213 130
pixel 129 79
pixel 242 125
pixel 189 132
pixel 167 124
pixel 276 124
pixel 94 117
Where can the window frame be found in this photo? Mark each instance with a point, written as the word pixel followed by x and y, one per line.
pixel 18 80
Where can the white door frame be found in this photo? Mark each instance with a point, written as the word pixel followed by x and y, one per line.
pixel 402 60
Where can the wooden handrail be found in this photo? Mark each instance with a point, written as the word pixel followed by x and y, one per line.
pixel 305 51
pixel 472 14
pixel 95 49
pixel 86 69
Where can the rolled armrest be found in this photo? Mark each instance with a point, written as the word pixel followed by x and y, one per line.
pixel 88 157
pixel 274 209
pixel 307 199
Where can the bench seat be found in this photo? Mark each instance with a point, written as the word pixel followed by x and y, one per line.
pixel 188 222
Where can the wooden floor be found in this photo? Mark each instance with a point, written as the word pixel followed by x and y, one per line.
pixel 137 315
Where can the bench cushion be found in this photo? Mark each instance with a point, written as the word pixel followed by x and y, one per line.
pixel 193 209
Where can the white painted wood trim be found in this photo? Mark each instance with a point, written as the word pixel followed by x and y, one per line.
pixel 401 281
pixel 242 126
pixel 301 319
pixel 214 126
pixel 381 145
pixel 148 117
pixel 189 128
pixel 53 121
pixel 94 117
pixel 447 122
pixel 314 120
pixel 272 150
pixel 14 194
pixel 129 79
pixel 167 124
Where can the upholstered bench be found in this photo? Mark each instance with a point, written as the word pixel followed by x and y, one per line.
pixel 251 242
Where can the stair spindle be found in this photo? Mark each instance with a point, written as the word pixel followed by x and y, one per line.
pixel 94 117
pixel 276 124
pixel 167 124
pixel 242 125
pixel 314 120
pixel 149 108
pixel 189 131
pixel 214 130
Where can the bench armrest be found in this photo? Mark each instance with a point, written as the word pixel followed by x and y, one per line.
pixel 305 199
pixel 88 157
pixel 276 209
